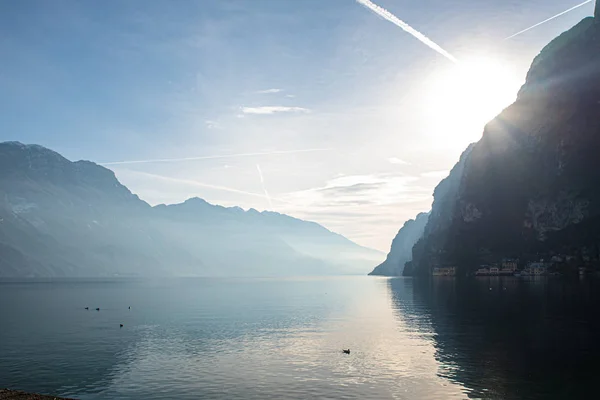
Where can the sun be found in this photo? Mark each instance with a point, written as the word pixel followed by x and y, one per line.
pixel 463 97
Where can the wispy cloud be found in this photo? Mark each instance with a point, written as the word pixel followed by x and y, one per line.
pixel 435 174
pixel 356 204
pixel 395 160
pixel 382 12
pixel 262 182
pixel 161 160
pixel 372 189
pixel 549 19
pixel 268 91
pixel 192 182
pixel 267 110
pixel 210 124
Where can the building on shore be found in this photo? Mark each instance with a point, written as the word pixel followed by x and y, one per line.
pixel 508 267
pixel 535 268
pixel 444 271
pixel 488 270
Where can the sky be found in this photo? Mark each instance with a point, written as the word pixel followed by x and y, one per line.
pixel 318 109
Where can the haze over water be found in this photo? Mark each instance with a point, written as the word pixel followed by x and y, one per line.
pixel 282 338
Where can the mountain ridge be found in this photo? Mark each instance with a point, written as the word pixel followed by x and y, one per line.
pixel 401 248
pixel 64 218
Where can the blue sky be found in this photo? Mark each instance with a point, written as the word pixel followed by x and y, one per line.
pixel 379 111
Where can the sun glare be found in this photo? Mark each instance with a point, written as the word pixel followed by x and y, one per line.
pixel 464 97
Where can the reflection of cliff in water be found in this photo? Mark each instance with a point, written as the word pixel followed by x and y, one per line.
pixel 411 309
pixel 506 338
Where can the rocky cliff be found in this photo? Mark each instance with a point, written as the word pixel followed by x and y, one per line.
pixel 429 247
pixel 401 250
pixel 63 218
pixel 531 185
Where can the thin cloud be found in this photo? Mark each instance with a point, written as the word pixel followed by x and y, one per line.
pixel 395 160
pixel 269 91
pixel 262 182
pixel 161 160
pixel 268 110
pixel 191 182
pixel 435 174
pixel 210 124
pixel 549 19
pixel 380 200
pixel 355 190
pixel 382 12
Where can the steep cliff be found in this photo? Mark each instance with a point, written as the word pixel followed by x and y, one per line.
pixel 401 250
pixel 429 248
pixel 531 185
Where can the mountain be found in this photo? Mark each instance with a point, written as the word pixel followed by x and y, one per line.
pixel 63 218
pixel 530 187
pixel 401 250
pixel 428 249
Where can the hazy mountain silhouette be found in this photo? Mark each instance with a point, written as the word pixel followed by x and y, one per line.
pixel 401 250
pixel 63 218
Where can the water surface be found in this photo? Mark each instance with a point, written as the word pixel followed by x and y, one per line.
pixel 282 338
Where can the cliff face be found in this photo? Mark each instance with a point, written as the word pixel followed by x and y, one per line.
pixel 532 183
pixel 430 247
pixel 401 250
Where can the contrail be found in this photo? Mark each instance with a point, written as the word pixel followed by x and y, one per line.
pixel 549 19
pixel 160 160
pixel 382 12
pixel 192 182
pixel 262 181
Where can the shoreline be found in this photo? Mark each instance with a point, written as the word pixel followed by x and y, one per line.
pixel 6 394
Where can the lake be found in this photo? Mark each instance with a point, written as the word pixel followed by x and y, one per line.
pixel 193 338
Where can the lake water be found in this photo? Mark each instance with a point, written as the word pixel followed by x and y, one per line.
pixel 282 338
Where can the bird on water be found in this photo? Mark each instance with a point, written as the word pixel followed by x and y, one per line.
pixel 98 309
pixel 347 351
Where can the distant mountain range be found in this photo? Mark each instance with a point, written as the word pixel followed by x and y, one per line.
pixel 530 188
pixel 63 218
pixel 401 251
